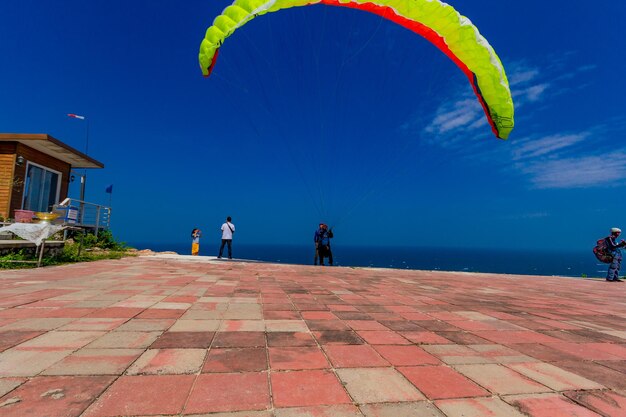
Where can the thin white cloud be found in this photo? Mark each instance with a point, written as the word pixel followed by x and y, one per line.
pixel 532 147
pixel 520 74
pixel 531 94
pixel 578 172
pixel 563 160
pixel 462 114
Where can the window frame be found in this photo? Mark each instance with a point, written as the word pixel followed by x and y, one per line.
pixel 45 168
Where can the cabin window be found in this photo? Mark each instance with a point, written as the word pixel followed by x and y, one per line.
pixel 41 188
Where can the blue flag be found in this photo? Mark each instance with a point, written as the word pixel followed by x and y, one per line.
pixel 109 189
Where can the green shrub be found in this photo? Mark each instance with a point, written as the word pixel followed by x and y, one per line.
pixel 5 261
pixel 107 241
pixel 70 254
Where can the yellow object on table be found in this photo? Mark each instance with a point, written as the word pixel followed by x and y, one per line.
pixel 46 216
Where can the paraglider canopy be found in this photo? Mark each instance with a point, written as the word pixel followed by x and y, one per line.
pixel 438 22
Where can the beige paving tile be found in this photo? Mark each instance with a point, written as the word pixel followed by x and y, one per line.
pixel 168 361
pixel 500 380
pixel 286 326
pixel 477 407
pixel 60 340
pixel 37 324
pixel 416 409
pixel 554 377
pixel 124 340
pixel 377 385
pixel 195 326
pixel 145 325
pixel 28 362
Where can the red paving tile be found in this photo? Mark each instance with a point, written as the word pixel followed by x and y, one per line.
pixel 318 315
pixel 605 403
pixel 383 338
pixel 587 351
pixel 53 396
pixel 186 340
pixel 275 339
pixel 549 405
pixel 10 338
pixel 239 339
pixel 281 315
pixel 463 338
pixel 511 334
pixel 609 377
pixel 229 392
pixel 297 358
pixel 236 360
pixel 306 388
pixel 354 356
pixel 425 338
pixel 143 395
pixel 326 325
pixel 365 325
pixel 332 337
pixel 542 352
pixel 439 382
pixel 406 355
pixel 401 325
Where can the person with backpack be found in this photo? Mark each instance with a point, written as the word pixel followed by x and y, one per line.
pixel 195 241
pixel 614 249
pixel 228 229
pixel 322 244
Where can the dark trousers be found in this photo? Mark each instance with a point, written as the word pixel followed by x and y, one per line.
pixel 228 242
pixel 614 267
pixel 322 252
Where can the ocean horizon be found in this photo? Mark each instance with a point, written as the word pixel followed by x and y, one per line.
pixel 501 261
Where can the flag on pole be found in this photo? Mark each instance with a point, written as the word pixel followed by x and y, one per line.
pixel 75 116
pixel 109 189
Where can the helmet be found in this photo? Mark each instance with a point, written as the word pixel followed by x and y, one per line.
pixel 616 230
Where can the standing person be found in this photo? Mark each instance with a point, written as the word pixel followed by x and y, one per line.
pixel 227 238
pixel 195 241
pixel 322 244
pixel 615 251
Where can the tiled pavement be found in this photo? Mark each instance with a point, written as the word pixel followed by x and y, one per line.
pixel 150 336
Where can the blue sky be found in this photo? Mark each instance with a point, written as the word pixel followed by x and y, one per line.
pixel 329 114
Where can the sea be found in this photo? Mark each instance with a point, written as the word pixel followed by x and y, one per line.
pixel 525 262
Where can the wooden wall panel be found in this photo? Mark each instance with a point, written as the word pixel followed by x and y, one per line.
pixel 39 158
pixel 7 164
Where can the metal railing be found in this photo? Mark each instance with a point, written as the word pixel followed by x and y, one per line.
pixel 84 214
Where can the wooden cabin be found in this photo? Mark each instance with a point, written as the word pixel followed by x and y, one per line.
pixel 35 171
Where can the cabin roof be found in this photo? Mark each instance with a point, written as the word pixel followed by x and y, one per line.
pixel 53 147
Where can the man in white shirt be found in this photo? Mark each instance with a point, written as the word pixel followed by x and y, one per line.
pixel 227 238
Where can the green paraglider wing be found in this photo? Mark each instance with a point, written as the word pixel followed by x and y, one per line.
pixel 440 23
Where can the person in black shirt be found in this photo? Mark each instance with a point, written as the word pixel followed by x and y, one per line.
pixel 322 244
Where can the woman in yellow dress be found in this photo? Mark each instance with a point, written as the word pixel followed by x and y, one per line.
pixel 195 241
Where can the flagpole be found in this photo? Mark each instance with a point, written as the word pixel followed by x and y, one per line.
pixel 83 178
